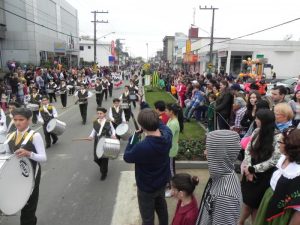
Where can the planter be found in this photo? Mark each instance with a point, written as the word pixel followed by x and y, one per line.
pixel 191 149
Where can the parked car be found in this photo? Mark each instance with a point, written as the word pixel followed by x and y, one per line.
pixel 289 84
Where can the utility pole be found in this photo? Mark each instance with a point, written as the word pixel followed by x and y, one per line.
pixel 95 21
pixel 211 34
pixel 147 51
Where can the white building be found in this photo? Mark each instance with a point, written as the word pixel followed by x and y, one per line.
pixel 283 56
pixel 103 51
pixel 28 42
pixel 168 49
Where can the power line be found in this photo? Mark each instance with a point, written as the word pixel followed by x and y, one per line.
pixel 256 32
pixel 38 24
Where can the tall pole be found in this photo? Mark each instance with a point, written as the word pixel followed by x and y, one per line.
pixel 147 51
pixel 95 21
pixel 211 34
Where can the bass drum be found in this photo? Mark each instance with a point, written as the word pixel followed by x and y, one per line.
pixel 56 126
pixel 108 148
pixel 123 131
pixel 16 183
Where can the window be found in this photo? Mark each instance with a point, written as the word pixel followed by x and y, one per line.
pixel 89 47
pixel 81 48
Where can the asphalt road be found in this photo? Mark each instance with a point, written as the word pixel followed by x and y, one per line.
pixel 71 191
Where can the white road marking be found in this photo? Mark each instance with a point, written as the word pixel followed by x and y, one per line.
pixel 126 210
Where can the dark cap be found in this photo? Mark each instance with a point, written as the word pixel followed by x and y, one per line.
pixel 235 87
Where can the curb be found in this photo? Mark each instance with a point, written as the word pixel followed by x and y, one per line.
pixel 191 165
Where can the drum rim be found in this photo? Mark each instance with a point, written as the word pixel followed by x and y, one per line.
pixel 10 157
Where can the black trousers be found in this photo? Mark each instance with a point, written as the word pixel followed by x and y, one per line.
pixel 149 203
pixel 127 113
pixel 51 97
pixel 99 99
pixel 134 103
pixel 105 93
pixel 71 91
pixel 223 123
pixel 102 162
pixel 63 98
pixel 48 135
pixel 34 116
pixel 28 216
pixel 110 89
pixel 83 111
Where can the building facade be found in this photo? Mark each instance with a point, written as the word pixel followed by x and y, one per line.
pixel 168 49
pixel 278 56
pixel 38 38
pixel 103 52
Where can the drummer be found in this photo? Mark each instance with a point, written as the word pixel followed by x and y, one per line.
pixel 116 113
pixel 63 92
pixel 46 113
pixel 83 94
pixel 101 128
pixel 99 92
pixel 125 99
pixel 34 150
pixel 35 98
pixel 9 117
pixel 51 90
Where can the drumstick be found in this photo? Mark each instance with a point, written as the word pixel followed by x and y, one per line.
pixel 81 139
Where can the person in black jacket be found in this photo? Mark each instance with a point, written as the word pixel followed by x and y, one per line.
pixel 223 106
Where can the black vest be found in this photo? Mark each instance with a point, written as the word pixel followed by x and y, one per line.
pixel 35 100
pixel 117 116
pixel 82 97
pixel 125 98
pixel 106 131
pixel 46 117
pixel 28 146
pixel 98 88
pixel 63 89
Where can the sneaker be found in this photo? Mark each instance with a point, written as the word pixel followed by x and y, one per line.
pixel 168 193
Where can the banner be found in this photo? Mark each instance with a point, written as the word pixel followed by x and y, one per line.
pixel 188 47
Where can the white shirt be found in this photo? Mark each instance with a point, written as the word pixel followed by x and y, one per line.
pixel 110 115
pixel 37 141
pixel 54 113
pixel 3 127
pixel 90 94
pixel 94 133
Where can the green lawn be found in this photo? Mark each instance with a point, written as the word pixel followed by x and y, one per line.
pixel 191 141
pixel 154 94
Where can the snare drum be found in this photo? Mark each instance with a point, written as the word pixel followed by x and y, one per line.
pixel 133 97
pixel 124 105
pixel 2 140
pixel 50 91
pixel 123 131
pixel 108 148
pixel 16 183
pixel 33 107
pixel 70 86
pixel 56 126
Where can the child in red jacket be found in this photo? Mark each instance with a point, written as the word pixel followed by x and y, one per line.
pixel 183 186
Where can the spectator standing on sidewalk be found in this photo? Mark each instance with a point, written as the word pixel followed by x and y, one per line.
pixel 152 166
pixel 224 105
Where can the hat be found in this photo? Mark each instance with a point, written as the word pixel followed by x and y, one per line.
pixel 235 87
pixel 240 101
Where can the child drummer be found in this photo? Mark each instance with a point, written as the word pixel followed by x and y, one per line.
pixel 101 128
pixel 34 150
pixel 46 113
pixel 116 113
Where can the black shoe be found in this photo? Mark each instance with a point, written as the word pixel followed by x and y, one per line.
pixel 54 141
pixel 48 146
pixel 83 122
pixel 103 176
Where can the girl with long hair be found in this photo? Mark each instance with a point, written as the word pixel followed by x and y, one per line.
pixel 175 123
pixel 261 156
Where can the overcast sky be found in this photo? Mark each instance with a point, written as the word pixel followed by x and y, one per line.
pixel 140 21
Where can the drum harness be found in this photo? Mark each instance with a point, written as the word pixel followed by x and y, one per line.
pixel 29 135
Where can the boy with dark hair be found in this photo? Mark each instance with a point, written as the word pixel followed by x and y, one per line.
pixel 160 108
pixel 116 113
pixel 33 149
pixel 101 128
pixel 46 113
pixel 152 166
pixel 9 118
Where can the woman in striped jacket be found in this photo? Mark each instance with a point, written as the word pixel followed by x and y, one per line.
pixel 222 198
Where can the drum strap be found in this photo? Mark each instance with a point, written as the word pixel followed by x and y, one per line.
pixel 101 128
pixel 46 110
